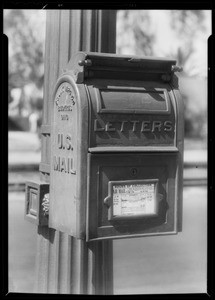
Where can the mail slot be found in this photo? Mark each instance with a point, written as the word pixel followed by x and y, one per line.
pixel 116 148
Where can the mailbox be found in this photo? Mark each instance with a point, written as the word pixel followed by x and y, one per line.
pixel 116 148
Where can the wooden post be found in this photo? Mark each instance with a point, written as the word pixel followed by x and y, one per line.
pixel 65 264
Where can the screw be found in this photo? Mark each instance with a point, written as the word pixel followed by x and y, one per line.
pixel 86 62
pixel 133 171
pixel 177 69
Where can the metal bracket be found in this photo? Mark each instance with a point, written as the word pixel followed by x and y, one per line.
pixel 45 204
pixel 37 203
pixel 86 62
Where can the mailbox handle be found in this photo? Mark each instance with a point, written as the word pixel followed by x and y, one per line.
pixel 160 197
pixel 107 201
pixel 45 204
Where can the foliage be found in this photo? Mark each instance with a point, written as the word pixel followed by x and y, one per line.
pixel 134 34
pixel 194 95
pixel 177 34
pixel 26 34
pixel 189 26
pixel 26 44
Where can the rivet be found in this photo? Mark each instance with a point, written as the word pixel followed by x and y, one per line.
pixel 133 171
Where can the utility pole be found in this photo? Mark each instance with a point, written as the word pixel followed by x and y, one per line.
pixel 65 264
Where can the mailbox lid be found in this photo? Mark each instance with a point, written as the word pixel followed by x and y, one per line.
pixel 86 65
pixel 131 114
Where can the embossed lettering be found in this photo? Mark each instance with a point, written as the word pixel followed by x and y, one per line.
pixel 96 128
pixel 62 164
pixel 64 142
pixel 60 141
pixel 168 126
pixel 65 108
pixel 72 171
pixel 68 142
pixel 122 125
pixel 134 125
pixel 156 125
pixel 145 125
pixel 64 117
pixel 108 127
pixel 69 92
pixel 56 163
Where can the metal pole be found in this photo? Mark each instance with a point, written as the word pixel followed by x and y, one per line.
pixel 63 263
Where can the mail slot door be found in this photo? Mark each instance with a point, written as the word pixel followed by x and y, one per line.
pixel 131 114
pixel 132 195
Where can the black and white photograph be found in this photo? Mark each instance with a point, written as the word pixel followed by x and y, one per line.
pixel 107 151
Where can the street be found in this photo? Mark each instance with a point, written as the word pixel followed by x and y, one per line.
pixel 160 264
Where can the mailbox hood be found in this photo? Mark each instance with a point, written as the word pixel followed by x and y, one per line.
pixel 105 65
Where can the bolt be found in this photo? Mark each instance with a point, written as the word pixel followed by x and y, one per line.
pixel 177 69
pixel 86 62
pixel 133 171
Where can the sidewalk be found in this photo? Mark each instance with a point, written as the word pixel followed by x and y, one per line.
pixel 195 158
pixel 24 161
pixel 24 151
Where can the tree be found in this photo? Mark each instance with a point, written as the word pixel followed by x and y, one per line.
pixel 188 26
pixel 178 34
pixel 26 34
pixel 134 32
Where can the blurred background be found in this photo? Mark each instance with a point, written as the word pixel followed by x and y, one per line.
pixel 177 34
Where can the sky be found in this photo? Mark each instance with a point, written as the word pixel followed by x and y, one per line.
pixel 166 41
